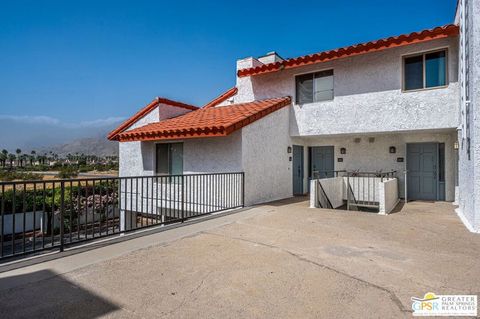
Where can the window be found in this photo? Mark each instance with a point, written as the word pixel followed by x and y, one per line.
pixel 169 159
pixel 314 87
pixel 424 71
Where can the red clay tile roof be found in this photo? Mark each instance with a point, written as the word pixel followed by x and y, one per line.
pixel 147 109
pixel 368 47
pixel 209 122
pixel 219 99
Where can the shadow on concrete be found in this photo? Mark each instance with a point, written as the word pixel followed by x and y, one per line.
pixel 398 208
pixel 290 200
pixel 17 262
pixel 45 294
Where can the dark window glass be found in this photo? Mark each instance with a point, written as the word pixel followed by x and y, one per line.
pixel 425 70
pixel 176 158
pixel 162 165
pixel 169 159
pixel 414 73
pixel 304 88
pixel 435 69
pixel 314 87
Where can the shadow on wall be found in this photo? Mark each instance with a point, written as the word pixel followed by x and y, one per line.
pixel 44 294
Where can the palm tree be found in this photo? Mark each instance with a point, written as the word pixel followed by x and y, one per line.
pixel 32 158
pixel 3 159
pixel 11 158
pixel 18 151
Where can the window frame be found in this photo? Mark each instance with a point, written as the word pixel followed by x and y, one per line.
pixel 155 160
pixel 423 54
pixel 313 72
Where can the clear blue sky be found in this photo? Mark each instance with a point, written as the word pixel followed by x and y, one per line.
pixel 80 61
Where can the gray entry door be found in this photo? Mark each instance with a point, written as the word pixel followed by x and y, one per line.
pixel 422 163
pixel 297 170
pixel 322 162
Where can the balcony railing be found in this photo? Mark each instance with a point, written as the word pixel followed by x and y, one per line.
pixel 51 214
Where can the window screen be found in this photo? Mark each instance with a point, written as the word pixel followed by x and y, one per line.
pixel 314 87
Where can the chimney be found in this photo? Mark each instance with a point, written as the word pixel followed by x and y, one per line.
pixel 270 57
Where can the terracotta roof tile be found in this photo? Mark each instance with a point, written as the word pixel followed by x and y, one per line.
pixel 219 99
pixel 144 111
pixel 362 48
pixel 205 122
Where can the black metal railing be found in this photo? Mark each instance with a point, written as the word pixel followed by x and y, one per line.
pixel 319 174
pixel 50 214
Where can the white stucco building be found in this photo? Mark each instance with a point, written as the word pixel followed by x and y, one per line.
pixel 405 104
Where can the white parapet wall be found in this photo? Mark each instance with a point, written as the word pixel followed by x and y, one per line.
pixel 388 195
pixel 382 191
pixel 333 188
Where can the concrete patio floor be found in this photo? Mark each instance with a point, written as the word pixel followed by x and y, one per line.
pixel 279 260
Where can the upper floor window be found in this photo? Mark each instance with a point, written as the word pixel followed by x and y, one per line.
pixel 427 70
pixel 314 87
pixel 169 159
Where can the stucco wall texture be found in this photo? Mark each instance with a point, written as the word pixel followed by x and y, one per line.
pixel 368 94
pixel 372 157
pixel 259 150
pixel 368 102
pixel 469 168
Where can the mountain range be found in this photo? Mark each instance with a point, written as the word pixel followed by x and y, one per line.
pixel 47 134
pixel 99 146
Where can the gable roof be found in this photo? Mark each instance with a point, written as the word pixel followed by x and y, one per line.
pixel 205 122
pixel 362 48
pixel 219 99
pixel 144 111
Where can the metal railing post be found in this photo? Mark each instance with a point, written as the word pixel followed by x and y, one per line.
pixel 62 213
pixel 243 189
pixel 348 191
pixel 183 197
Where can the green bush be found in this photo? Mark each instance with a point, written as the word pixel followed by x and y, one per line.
pixel 16 175
pixel 67 172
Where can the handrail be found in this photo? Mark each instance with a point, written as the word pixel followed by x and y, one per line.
pixel 108 178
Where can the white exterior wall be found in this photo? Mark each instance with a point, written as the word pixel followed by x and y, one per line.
pixel 268 171
pixel 469 168
pixel 137 158
pixel 213 155
pixel 368 96
pixel 371 157
pixel 388 195
pixel 259 150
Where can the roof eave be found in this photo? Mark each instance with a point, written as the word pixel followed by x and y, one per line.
pixel 355 50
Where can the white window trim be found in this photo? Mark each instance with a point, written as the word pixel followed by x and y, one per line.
pixel 423 53
pixel 311 72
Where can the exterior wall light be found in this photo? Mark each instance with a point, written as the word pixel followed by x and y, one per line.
pixel 289 149
pixel 392 150
pixel 343 150
pixel 455 145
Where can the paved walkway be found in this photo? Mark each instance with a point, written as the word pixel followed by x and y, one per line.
pixel 281 260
